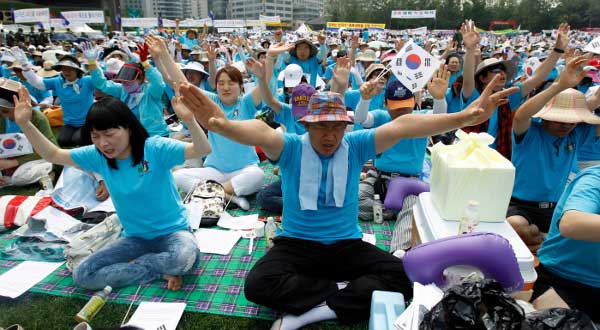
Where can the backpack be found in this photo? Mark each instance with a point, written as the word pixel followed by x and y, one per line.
pixel 92 240
pixel 212 195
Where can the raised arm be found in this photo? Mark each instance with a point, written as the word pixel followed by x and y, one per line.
pixel 422 125
pixel 164 62
pixel 341 74
pixel 42 145
pixel 258 69
pixel 248 132
pixel 437 87
pixel 362 116
pixel 199 146
pixel 212 66
pixel 32 78
pixel 571 76
pixel 562 41
pixel 471 40
pixel 263 88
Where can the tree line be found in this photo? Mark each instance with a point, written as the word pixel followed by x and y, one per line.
pixel 533 15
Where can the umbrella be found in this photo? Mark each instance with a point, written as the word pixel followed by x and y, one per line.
pixel 64 37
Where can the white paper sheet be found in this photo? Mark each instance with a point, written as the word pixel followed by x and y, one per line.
pixel 24 276
pixel 217 241
pixel 106 206
pixel 52 224
pixel 369 238
pixel 194 209
pixel 237 223
pixel 157 315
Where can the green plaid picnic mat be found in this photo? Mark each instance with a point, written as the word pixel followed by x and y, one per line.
pixel 215 286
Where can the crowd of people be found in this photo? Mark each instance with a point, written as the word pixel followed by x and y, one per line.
pixel 329 105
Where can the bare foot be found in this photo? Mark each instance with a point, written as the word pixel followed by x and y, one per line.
pixel 173 282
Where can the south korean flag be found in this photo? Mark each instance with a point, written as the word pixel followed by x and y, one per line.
pixel 593 47
pixel 413 66
pixel 530 65
pixel 13 145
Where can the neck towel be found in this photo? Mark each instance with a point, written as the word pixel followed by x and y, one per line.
pixel 72 83
pixel 310 175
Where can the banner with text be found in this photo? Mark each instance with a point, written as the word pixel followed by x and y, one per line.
pixel 142 22
pixel 354 25
pixel 32 15
pixel 84 16
pixel 238 23
pixel 413 13
pixel 270 19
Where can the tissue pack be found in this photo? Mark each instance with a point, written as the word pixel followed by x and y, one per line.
pixel 471 170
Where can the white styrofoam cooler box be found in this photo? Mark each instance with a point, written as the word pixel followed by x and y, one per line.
pixel 431 226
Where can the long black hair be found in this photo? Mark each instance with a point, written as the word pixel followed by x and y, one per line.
pixel 110 112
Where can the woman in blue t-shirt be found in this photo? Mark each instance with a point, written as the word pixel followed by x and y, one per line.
pixel 136 168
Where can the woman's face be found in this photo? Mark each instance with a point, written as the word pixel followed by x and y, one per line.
pixel 228 90
pixel 453 64
pixel 69 73
pixel 113 142
pixel 194 77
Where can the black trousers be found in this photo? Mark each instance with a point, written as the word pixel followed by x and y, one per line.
pixel 577 295
pixel 296 275
pixel 70 136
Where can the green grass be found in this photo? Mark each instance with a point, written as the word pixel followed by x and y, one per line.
pixel 37 311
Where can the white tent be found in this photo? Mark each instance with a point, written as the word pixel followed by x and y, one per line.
pixel 84 28
pixel 303 29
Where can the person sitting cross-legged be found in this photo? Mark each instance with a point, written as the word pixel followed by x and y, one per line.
pixel 321 242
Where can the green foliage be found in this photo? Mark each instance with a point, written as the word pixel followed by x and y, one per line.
pixel 533 15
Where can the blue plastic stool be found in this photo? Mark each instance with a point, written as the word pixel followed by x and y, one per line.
pixel 386 306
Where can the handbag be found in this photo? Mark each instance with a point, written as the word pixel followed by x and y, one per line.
pixel 212 195
pixel 92 240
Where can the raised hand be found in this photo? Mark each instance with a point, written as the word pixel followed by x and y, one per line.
pixel 211 53
pixel 562 39
pixel 471 37
pixel 341 73
pixel 354 42
pixel 278 48
pixel 181 110
pixel 157 46
pixel 256 67
pixel 90 51
pixel 22 106
pixel 19 56
pixel 573 72
pixel 484 106
pixel 321 38
pixel 204 108
pixel 369 89
pixel 438 85
pixel 142 51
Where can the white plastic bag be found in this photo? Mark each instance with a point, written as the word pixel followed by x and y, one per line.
pixel 31 172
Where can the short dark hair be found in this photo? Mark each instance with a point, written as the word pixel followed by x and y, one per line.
pixel 110 112
pixel 233 73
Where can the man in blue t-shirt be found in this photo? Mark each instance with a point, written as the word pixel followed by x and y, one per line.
pixel 321 244
pixel 544 153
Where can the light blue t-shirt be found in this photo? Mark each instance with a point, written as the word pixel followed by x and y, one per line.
pixel 228 156
pixel 568 258
pixel 327 224
pixel 589 151
pixel 149 109
pixel 286 118
pixel 453 102
pixel 188 42
pixel 543 161
pixel 37 94
pixel 74 106
pixel 404 157
pixel 514 100
pixel 144 195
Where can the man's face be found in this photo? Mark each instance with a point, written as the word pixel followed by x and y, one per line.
pixel 558 129
pixel 325 137
pixel 303 51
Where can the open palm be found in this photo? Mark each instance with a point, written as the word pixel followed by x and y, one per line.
pixel 22 106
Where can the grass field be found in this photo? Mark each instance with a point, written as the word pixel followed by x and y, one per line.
pixel 37 311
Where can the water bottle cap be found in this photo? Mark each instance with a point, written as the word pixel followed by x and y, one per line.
pixel 376 196
pixel 107 289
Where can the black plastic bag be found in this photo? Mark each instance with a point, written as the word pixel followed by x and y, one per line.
pixel 558 319
pixel 475 305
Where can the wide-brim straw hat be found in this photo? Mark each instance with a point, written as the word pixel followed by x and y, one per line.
pixel 509 67
pixel 313 48
pixel 368 55
pixel 569 107
pixel 67 61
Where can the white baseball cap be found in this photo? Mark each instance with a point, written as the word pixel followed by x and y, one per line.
pixel 292 75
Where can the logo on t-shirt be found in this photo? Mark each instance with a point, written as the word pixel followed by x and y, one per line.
pixel 236 112
pixel 143 168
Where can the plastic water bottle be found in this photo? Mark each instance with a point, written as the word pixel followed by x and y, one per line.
pixel 46 182
pixel 93 306
pixel 470 218
pixel 377 209
pixel 270 231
